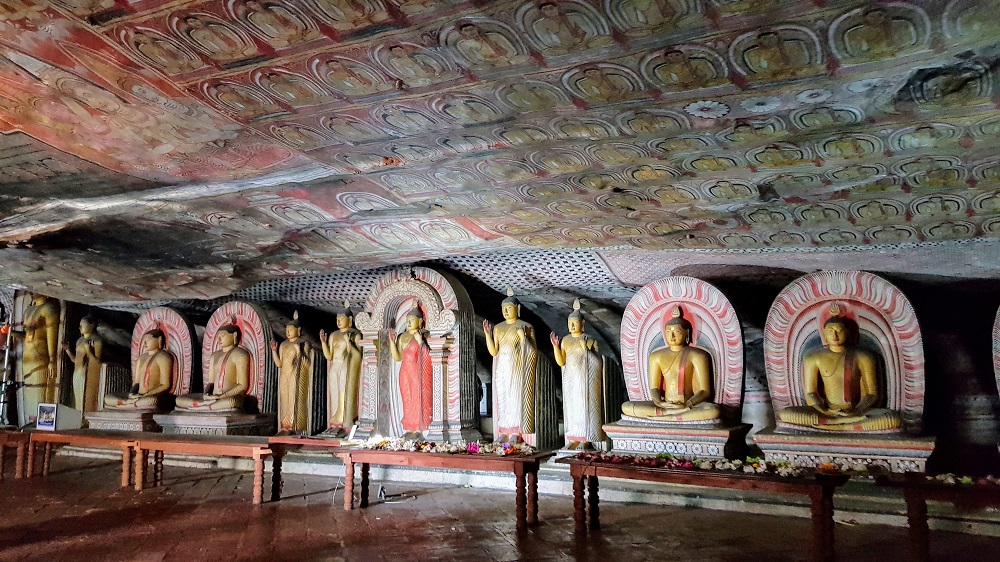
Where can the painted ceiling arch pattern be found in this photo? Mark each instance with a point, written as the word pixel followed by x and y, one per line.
pixel 254 140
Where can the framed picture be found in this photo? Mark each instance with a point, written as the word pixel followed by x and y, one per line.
pixel 46 417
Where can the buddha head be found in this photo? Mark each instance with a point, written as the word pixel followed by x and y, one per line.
pixel 677 330
pixel 294 328
pixel 839 330
pixel 194 22
pixel 228 336
pixel 154 340
pixel 468 30
pixel 549 9
pixel 876 16
pixel 345 319
pixel 510 307
pixel 575 321
pixel 87 325
pixel 414 319
pixel 674 56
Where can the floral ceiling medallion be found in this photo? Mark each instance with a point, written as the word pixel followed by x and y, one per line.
pixel 707 109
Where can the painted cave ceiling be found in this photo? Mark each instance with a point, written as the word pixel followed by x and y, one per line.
pixel 157 150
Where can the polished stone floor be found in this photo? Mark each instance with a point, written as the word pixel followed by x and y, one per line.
pixel 80 513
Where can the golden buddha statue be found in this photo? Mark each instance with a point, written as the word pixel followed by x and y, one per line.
pixel 40 353
pixel 228 376
pixel 342 350
pixel 86 366
pixel 840 384
pixel 515 355
pixel 582 383
pixel 294 359
pixel 680 378
pixel 152 376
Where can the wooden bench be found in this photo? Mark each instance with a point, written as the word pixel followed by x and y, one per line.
pixel 281 444
pixel 818 487
pixel 80 438
pixel 18 441
pixel 917 489
pixel 524 468
pixel 216 446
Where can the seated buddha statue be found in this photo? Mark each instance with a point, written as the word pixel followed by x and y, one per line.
pixel 152 377
pixel 840 384
pixel 680 378
pixel 227 380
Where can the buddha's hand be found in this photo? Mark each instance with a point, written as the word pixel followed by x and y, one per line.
pixel 274 345
pixel 50 372
pixel 65 346
pixel 322 335
pixel 520 334
pixel 392 336
pixel 554 339
pixel 487 327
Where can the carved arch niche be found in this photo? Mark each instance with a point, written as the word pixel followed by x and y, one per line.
pixel 448 319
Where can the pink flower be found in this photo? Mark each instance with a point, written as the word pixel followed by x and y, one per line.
pixel 472 448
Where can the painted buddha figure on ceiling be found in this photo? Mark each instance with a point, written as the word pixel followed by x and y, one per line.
pixel 680 378
pixel 562 31
pixel 152 376
pixel 840 381
pixel 228 379
pixel 217 39
pixel 772 57
pixel 278 24
pixel 486 48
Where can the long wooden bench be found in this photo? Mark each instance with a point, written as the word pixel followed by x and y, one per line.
pixel 80 438
pixel 19 442
pixel 524 468
pixel 918 489
pixel 818 487
pixel 216 446
pixel 281 444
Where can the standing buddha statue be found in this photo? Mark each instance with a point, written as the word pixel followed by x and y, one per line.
pixel 515 354
pixel 582 384
pixel 86 366
pixel 294 359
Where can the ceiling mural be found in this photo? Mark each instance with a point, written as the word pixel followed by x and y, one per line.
pixel 159 149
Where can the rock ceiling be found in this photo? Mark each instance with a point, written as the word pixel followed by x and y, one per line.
pixel 189 149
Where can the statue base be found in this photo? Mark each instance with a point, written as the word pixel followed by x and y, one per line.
pixel 897 453
pixel 113 420
pixel 702 440
pixel 185 423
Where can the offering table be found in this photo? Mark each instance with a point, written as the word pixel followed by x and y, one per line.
pixel 79 438
pixel 215 445
pixel 18 441
pixel 524 468
pixel 917 489
pixel 818 487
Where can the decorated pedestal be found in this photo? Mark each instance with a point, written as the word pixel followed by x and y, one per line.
pixel 255 338
pixel 715 330
pixel 881 332
pixel 179 339
pixel 448 356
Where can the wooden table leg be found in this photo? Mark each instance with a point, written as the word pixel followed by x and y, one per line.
pixel 19 471
pixel 258 478
pixel 365 469
pixel 47 459
pixel 348 483
pixel 916 518
pixel 822 523
pixel 521 511
pixel 30 471
pixel 3 460
pixel 593 503
pixel 579 507
pixel 126 466
pixel 276 475
pixel 533 495
pixel 141 458
pixel 157 469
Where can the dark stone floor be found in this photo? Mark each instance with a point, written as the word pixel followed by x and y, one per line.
pixel 80 513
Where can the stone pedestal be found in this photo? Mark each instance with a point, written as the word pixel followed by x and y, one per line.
pixel 184 423
pixel 898 453
pixel 705 441
pixel 113 420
